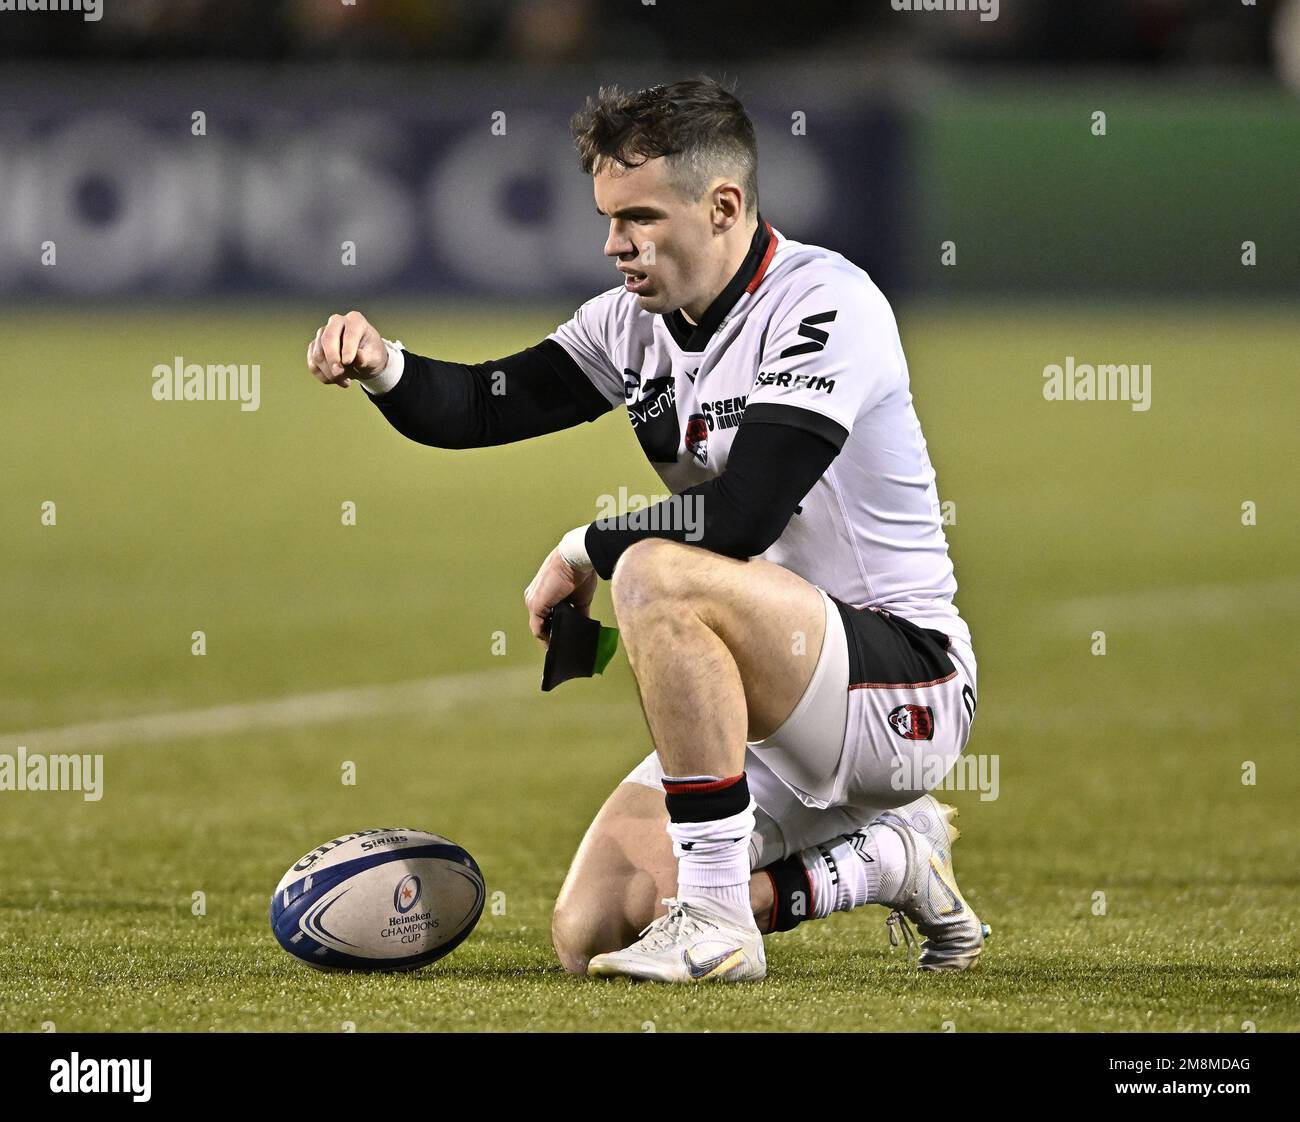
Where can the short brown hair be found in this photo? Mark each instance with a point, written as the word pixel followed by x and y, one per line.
pixel 698 124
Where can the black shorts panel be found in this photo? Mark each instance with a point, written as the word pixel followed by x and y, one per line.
pixel 887 650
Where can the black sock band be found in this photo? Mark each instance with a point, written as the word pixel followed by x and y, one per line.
pixel 706 800
pixel 792 890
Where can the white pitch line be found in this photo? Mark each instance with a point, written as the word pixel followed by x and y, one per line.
pixel 1188 603
pixel 429 696
pixel 435 697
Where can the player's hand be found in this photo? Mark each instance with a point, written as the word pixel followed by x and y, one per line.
pixel 346 347
pixel 557 580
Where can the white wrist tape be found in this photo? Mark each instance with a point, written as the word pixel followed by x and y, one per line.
pixel 573 548
pixel 390 375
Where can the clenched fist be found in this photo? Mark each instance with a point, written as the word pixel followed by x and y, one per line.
pixel 346 347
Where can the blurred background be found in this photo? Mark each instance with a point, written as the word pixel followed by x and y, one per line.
pixel 433 135
pixel 205 181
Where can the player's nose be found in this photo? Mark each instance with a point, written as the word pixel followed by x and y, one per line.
pixel 619 245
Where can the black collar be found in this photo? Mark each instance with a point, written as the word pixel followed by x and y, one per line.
pixel 694 337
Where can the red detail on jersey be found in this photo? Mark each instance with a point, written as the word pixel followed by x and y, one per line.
pixel 767 259
pixel 902 685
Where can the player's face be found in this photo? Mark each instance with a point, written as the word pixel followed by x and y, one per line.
pixel 659 240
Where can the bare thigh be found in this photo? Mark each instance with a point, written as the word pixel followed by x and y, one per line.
pixel 771 621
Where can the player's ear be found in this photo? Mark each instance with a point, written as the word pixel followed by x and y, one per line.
pixel 728 206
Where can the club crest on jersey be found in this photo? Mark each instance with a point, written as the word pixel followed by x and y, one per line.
pixel 913 722
pixel 697 437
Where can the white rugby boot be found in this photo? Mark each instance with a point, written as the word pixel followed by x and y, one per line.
pixel 690 944
pixel 930 898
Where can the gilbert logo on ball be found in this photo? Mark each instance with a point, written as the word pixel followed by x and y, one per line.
pixel 383 899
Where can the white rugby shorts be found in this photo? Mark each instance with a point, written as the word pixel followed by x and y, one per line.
pixel 884 717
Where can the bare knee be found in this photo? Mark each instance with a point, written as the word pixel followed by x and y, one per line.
pixel 648 574
pixel 584 924
pixel 573 938
pixel 663 592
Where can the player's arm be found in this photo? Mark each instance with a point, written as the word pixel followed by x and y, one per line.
pixel 453 405
pixel 778 455
pixel 456 405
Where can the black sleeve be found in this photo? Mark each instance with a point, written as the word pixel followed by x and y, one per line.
pixel 452 405
pixel 773 464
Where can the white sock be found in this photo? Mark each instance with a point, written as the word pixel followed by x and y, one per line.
pixel 713 863
pixel 863 868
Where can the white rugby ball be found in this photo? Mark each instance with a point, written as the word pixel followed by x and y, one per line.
pixel 385 899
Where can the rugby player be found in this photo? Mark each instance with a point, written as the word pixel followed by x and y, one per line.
pixel 799 657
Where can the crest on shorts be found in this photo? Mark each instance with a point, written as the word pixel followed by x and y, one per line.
pixel 697 437
pixel 913 722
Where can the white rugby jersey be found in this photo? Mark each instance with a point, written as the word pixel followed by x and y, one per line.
pixel 797 326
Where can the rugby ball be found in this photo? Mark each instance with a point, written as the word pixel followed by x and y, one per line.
pixel 385 899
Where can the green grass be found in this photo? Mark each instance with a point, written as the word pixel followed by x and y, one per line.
pixel 1118 774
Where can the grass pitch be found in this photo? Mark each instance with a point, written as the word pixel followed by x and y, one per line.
pixel 1119 774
